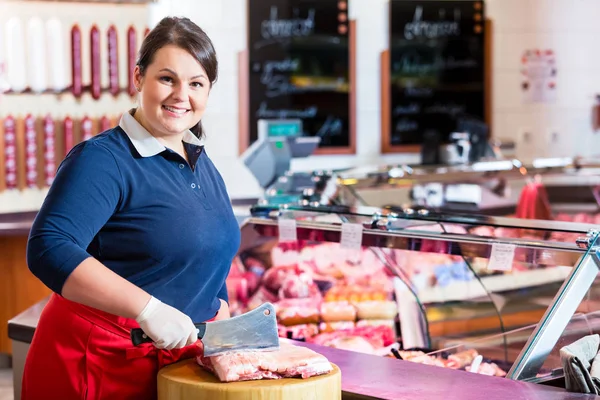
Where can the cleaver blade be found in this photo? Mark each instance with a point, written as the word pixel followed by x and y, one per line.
pixel 254 330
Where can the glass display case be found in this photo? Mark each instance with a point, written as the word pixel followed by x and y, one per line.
pixel 418 283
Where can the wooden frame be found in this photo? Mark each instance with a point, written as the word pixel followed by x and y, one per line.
pixel 386 101
pixel 244 98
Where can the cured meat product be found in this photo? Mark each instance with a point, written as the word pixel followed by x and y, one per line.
pixel 69 137
pixel 288 362
pixel 56 55
pixel 337 311
pixel 113 61
pixel 95 62
pixel 10 149
pixel 326 327
pixel 30 152
pixel 297 332
pixel 87 128
pixel 77 86
pixel 131 54
pixel 36 57
pixel 104 123
pixel 49 150
pixel 376 309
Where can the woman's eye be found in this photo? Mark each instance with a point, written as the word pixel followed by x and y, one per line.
pixel 166 79
pixel 197 84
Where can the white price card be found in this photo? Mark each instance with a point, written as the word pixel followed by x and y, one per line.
pixel 502 257
pixel 351 236
pixel 287 230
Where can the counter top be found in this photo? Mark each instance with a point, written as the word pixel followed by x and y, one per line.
pixel 15 224
pixel 387 378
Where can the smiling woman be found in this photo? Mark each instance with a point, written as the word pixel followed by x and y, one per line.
pixel 137 231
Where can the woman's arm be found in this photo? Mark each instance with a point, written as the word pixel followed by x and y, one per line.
pixel 94 285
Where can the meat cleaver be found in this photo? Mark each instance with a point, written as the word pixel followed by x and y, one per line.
pixel 254 330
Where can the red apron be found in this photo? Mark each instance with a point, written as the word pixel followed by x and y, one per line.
pixel 79 352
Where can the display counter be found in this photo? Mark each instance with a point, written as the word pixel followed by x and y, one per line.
pixel 366 376
pixel 423 286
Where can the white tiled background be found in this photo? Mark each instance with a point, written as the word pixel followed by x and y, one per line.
pixel 569 27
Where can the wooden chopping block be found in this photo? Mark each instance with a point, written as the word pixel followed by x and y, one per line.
pixel 187 380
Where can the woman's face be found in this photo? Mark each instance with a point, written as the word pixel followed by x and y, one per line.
pixel 173 92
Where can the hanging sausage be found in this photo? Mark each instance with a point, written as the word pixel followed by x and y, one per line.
pixel 30 152
pixel 131 56
pixel 77 86
pixel 69 135
pixel 36 57
pixel 113 61
pixel 49 150
pixel 10 151
pixel 15 55
pixel 95 62
pixel 86 128
pixel 105 123
pixel 55 56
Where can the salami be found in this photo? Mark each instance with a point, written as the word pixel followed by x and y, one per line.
pixel 86 127
pixel 95 62
pixel 113 61
pixel 49 150
pixel 77 87
pixel 30 152
pixel 55 54
pixel 10 151
pixel 68 134
pixel 36 59
pixel 104 123
pixel 131 55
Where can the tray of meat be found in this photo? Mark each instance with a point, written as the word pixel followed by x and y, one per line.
pixel 288 362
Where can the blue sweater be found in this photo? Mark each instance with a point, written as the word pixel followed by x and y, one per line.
pixel 140 209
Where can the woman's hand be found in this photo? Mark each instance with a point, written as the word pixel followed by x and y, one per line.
pixel 223 311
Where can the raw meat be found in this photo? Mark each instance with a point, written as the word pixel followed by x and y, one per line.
pixel 287 362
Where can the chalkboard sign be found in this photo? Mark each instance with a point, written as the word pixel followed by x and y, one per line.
pixel 299 67
pixel 437 61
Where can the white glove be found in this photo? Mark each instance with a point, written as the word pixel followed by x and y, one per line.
pixel 168 327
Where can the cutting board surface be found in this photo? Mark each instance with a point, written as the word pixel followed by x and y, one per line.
pixel 187 380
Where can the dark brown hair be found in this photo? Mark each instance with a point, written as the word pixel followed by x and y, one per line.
pixel 185 34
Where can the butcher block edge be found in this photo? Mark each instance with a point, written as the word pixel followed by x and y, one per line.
pixel 187 380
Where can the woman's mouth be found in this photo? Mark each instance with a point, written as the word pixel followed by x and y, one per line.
pixel 175 111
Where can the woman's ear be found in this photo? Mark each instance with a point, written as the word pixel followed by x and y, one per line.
pixel 137 78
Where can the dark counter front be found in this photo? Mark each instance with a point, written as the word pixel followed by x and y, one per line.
pixel 19 288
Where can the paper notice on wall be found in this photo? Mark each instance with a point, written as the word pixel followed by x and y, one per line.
pixel 538 74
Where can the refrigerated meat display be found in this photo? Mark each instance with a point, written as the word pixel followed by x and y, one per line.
pixel 422 286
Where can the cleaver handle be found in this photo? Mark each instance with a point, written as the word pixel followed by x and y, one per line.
pixel 138 336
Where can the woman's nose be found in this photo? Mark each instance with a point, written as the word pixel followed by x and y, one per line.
pixel 180 91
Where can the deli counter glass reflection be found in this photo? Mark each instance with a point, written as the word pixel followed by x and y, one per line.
pixel 439 289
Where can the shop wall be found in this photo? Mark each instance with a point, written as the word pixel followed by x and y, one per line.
pixel 559 128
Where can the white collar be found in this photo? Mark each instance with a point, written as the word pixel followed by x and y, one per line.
pixel 146 144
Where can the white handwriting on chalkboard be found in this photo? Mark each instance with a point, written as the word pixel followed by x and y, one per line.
pixel 450 109
pixel 406 125
pixel 413 64
pixel 275 28
pixel 411 109
pixel 432 29
pixel 264 112
pixel 279 85
pixel 331 127
pixel 418 92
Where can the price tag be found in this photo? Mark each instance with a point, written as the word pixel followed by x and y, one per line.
pixel 502 257
pixel 287 230
pixel 351 236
